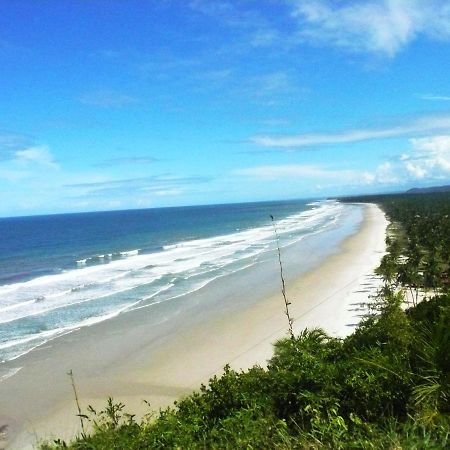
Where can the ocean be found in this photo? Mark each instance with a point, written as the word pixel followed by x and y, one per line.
pixel 59 273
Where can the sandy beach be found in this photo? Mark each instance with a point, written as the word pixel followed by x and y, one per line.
pixel 126 359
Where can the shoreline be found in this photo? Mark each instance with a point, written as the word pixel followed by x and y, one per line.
pixel 166 368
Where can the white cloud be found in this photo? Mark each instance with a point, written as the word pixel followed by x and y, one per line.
pixel 415 170
pixel 30 162
pixel 10 143
pixel 39 155
pixel 429 158
pixel 424 124
pixel 324 177
pixel 376 26
pixel 168 192
pixel 385 174
pixel 436 98
pixel 283 171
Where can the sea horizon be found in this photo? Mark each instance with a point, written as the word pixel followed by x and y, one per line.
pixel 193 205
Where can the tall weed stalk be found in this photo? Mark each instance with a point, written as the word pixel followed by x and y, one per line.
pixel 80 415
pixel 283 284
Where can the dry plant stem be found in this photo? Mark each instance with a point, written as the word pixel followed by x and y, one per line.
pixel 283 285
pixel 80 415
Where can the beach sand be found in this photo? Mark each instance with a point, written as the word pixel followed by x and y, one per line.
pixel 126 359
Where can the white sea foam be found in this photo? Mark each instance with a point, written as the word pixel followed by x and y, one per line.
pixel 176 258
pixel 107 256
pixel 9 373
pixel 130 253
pixel 39 339
pixel 130 278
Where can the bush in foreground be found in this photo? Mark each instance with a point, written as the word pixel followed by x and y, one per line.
pixel 385 386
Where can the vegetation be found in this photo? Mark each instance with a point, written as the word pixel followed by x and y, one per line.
pixel 418 242
pixel 385 386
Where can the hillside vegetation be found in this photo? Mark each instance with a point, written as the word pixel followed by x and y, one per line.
pixel 385 386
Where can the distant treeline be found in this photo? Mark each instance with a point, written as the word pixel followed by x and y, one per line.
pixel 385 386
pixel 418 241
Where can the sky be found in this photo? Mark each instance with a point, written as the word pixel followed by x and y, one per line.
pixel 111 104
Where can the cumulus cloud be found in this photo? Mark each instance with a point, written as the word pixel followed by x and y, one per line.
pixel 382 27
pixel 429 158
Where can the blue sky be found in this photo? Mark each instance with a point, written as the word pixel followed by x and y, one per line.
pixel 114 105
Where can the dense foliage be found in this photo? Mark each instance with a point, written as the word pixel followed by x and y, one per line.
pixel 385 386
pixel 419 242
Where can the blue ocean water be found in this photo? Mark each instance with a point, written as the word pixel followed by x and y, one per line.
pixel 62 272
